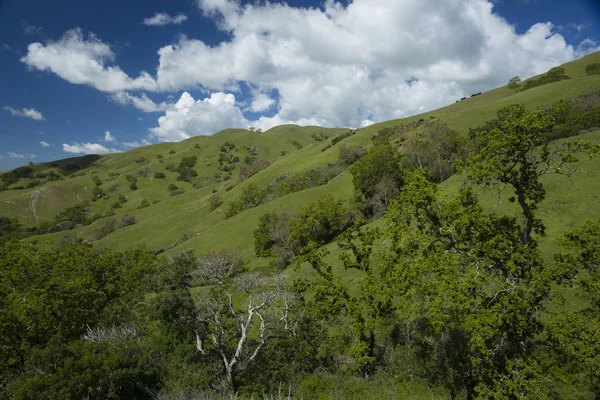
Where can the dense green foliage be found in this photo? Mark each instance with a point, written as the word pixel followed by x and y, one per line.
pixel 288 236
pixel 254 195
pixel 554 75
pixel 435 149
pixel 377 177
pixel 62 315
pixel 186 169
pixel 454 293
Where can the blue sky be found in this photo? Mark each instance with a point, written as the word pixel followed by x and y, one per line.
pixel 74 70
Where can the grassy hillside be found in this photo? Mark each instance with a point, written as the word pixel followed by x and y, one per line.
pixel 290 149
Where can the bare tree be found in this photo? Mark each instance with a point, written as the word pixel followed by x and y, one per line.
pixel 215 267
pixel 265 310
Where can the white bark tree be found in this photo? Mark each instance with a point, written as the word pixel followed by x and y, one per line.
pixel 265 311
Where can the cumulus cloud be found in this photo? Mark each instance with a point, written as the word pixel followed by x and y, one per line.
pixel 45 144
pixel 25 112
pixel 261 102
pixel 162 19
pixel 87 148
pixel 17 155
pixel 142 102
pixel 344 64
pixel 338 64
pixel 84 61
pixel 189 117
pixel 108 137
pixel 135 144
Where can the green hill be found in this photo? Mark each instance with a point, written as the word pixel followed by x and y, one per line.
pixel 455 296
pixel 290 149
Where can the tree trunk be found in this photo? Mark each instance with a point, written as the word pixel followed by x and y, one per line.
pixel 527 215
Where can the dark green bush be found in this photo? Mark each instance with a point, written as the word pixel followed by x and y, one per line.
pixel 593 69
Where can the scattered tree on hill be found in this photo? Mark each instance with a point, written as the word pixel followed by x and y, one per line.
pixel 186 169
pixel 287 236
pixel 215 201
pixel 253 167
pixel 592 69
pixel 253 195
pixel 554 75
pixel 435 149
pixel 376 176
pixel 514 150
pixel 351 154
pixel 514 83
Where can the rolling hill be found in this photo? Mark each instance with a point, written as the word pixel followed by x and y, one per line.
pixel 183 218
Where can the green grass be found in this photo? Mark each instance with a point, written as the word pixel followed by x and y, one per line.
pixel 570 200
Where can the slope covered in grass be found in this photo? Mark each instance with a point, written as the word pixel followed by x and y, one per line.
pixel 291 149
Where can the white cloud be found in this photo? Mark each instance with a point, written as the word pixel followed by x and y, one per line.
pixel 189 117
pixel 108 137
pixel 340 65
pixel 87 148
pixel 31 29
pixel 83 61
pixel 17 155
pixel 25 112
pixel 133 145
pixel 345 64
pixel 142 102
pixel 261 103
pixel 45 144
pixel 161 19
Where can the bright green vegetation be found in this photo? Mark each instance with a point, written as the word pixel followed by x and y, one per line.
pixel 341 264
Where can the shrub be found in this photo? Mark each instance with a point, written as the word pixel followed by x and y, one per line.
pixel 214 201
pixel 246 171
pixel 351 154
pixel 97 180
pixel 296 144
pixel 172 187
pixel 144 172
pixel 108 227
pixel 435 149
pixel 171 151
pixel 145 203
pixel 381 164
pixel 186 169
pixel 554 75
pixel 234 207
pixel 514 83
pixel 159 175
pixel 133 186
pixel 97 193
pixel 140 160
pixel 126 220
pixel 593 69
